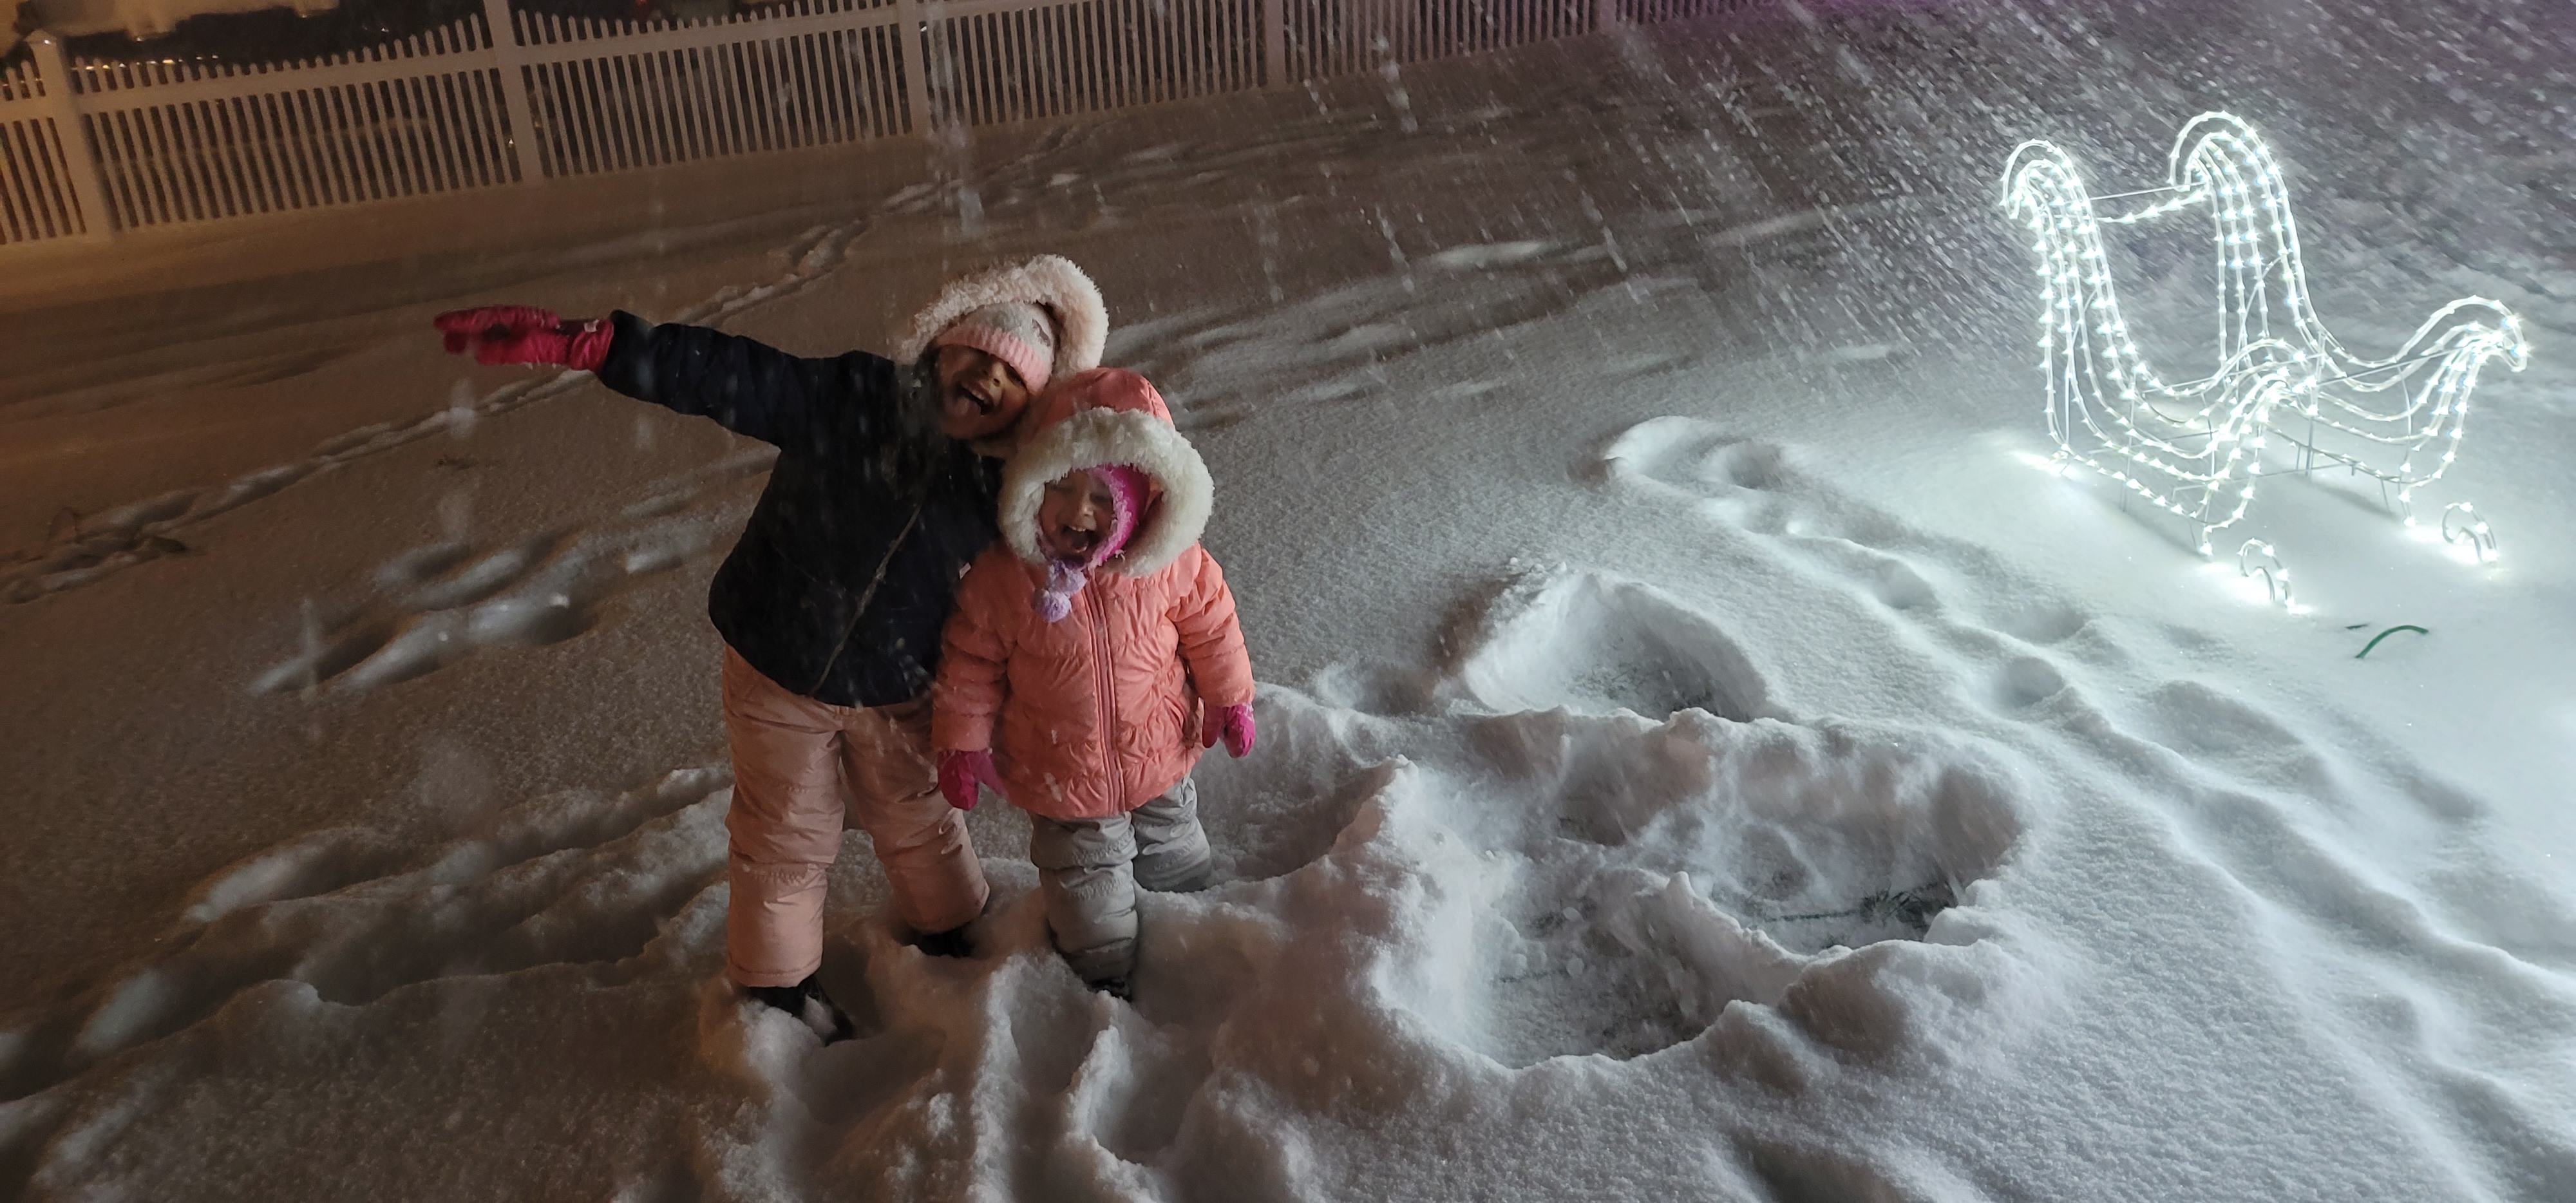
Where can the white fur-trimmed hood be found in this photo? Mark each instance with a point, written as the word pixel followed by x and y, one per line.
pixel 1111 417
pixel 1051 282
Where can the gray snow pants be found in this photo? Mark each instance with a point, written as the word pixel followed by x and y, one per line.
pixel 1090 869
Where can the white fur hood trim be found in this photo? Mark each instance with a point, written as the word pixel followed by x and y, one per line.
pixel 1090 438
pixel 1051 282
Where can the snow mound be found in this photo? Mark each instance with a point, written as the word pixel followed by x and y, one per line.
pixel 1649 875
pixel 1595 643
pixel 1559 874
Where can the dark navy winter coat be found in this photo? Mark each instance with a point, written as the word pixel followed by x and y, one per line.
pixel 849 565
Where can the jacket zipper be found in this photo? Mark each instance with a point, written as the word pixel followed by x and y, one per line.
pixel 1108 696
pixel 860 614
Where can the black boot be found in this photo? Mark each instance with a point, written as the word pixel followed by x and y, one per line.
pixel 950 943
pixel 808 1005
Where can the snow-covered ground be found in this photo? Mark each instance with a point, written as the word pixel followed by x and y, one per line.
pixel 1705 754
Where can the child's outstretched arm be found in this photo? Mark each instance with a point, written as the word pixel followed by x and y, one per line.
pixel 1212 645
pixel 751 388
pixel 973 681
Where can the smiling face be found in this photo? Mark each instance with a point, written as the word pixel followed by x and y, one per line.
pixel 1074 515
pixel 979 395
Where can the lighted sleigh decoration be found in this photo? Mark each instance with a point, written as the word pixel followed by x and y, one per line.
pixel 2195 447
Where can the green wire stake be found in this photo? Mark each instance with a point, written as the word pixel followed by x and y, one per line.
pixel 2374 640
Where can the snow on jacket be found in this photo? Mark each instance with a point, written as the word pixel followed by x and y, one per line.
pixel 1098 714
pixel 848 567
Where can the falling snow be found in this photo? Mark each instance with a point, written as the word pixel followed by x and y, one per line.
pixel 1709 748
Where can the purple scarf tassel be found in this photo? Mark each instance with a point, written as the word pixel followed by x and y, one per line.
pixel 1064 579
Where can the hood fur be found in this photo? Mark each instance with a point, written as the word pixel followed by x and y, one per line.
pixel 1051 282
pixel 1110 416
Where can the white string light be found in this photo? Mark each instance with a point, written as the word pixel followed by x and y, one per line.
pixel 2257 556
pixel 2196 448
pixel 2461 524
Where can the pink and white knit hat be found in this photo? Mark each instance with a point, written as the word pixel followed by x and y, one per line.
pixel 1055 310
pixel 1129 489
pixel 1018 333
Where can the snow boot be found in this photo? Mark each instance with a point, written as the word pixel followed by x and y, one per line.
pixel 950 943
pixel 808 1005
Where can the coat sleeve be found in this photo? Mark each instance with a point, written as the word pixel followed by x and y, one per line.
pixel 1211 639
pixel 753 389
pixel 974 659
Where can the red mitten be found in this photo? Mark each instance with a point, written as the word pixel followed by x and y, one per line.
pixel 1233 724
pixel 961 772
pixel 498 334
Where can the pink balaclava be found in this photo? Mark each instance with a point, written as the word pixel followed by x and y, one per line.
pixel 1128 490
pixel 1016 332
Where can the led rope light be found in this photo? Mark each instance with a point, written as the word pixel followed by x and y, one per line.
pixel 2257 556
pixel 2461 524
pixel 2195 448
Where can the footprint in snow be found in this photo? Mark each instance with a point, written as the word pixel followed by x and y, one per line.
pixel 1595 643
pixel 2026 681
pixel 1963 595
pixel 1672 869
pixel 1651 842
pixel 144 531
pixel 2275 809
pixel 434 606
pixel 580 876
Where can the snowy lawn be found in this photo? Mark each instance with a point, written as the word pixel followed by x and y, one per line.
pixel 1707 752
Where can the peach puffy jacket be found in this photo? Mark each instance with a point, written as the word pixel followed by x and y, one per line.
pixel 1098 714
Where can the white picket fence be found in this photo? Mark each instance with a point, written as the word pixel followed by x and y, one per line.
pixel 90 149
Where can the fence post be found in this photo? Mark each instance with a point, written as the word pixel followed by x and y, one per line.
pixel 504 37
pixel 1605 15
pixel 1274 45
pixel 80 162
pixel 908 30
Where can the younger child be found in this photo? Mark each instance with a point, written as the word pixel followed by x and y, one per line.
pixel 1093 654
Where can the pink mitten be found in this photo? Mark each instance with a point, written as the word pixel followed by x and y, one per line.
pixel 525 334
pixel 1233 724
pixel 961 772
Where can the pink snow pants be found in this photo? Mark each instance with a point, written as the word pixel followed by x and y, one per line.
pixel 791 757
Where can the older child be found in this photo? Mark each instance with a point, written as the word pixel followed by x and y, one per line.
pixel 1093 654
pixel 831 604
